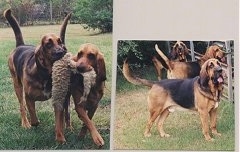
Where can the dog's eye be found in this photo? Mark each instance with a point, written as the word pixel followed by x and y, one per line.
pixel 59 41
pixel 80 54
pixel 211 65
pixel 91 56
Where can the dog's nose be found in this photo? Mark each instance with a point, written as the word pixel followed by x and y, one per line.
pixel 60 54
pixel 83 68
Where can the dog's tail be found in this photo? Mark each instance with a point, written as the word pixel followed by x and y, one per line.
pixel 135 80
pixel 64 26
pixel 167 63
pixel 15 26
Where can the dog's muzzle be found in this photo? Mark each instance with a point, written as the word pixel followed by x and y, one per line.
pixel 222 59
pixel 82 68
pixel 58 54
pixel 218 76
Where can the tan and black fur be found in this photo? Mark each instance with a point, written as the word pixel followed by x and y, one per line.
pixel 181 70
pixel 179 53
pixel 201 94
pixel 31 67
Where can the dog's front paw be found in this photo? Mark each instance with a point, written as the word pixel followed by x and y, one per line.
pixel 98 140
pixel 164 135
pixel 208 138
pixel 147 134
pixel 216 133
pixel 60 139
pixel 35 123
pixel 26 125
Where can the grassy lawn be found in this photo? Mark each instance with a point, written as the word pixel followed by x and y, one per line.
pixel 131 114
pixel 13 136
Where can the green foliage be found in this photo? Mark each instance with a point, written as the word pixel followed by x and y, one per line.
pixel 139 53
pixel 95 14
pixel 128 49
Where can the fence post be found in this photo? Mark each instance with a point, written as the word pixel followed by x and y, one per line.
pixel 192 51
pixel 229 71
pixel 168 46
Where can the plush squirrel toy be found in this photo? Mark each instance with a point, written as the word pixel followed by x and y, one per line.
pixel 61 74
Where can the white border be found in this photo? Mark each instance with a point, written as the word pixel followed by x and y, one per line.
pixel 176 20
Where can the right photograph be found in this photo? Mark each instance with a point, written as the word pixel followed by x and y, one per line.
pixel 174 95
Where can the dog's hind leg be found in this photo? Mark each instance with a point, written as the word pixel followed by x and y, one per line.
pixel 158 67
pixel 161 120
pixel 153 115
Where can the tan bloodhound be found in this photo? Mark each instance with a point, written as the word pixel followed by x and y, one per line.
pixel 88 57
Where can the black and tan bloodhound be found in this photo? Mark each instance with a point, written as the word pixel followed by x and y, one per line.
pixel 181 70
pixel 31 68
pixel 201 94
pixel 88 57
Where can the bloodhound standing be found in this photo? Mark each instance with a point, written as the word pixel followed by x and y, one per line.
pixel 201 94
pixel 31 68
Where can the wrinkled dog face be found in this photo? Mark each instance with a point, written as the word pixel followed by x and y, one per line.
pixel 53 47
pixel 215 71
pixel 87 58
pixel 220 55
pixel 180 51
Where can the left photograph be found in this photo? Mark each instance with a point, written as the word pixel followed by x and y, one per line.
pixel 59 52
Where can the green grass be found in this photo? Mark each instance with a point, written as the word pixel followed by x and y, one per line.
pixel 131 114
pixel 13 136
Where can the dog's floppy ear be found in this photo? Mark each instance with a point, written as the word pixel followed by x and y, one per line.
pixel 186 50
pixel 212 50
pixel 204 78
pixel 101 69
pixel 39 54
